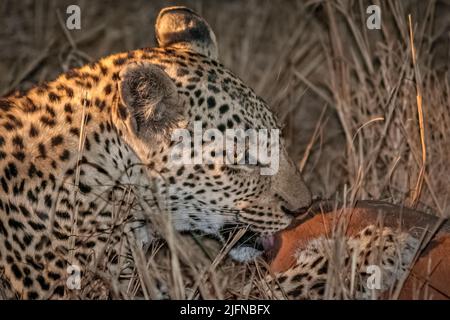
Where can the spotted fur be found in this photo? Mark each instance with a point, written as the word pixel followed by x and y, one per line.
pixel 337 268
pixel 86 157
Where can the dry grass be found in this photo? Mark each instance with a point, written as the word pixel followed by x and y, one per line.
pixel 367 112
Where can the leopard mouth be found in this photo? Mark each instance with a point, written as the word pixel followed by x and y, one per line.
pixel 250 244
pixel 263 243
pixel 249 239
pixel 253 247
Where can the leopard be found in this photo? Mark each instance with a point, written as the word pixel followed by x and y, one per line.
pixel 86 157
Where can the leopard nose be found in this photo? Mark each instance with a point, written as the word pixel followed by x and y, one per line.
pixel 294 213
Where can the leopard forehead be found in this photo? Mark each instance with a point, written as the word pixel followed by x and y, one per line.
pixel 214 94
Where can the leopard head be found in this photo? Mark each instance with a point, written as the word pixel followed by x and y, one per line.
pixel 179 94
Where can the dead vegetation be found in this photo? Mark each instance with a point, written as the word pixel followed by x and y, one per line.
pixel 367 112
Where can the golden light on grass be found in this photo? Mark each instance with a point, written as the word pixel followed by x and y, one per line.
pixel 418 80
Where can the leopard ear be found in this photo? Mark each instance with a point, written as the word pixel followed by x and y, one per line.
pixel 148 99
pixel 182 27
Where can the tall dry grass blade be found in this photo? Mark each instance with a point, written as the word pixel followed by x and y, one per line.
pixel 418 79
pixel 312 140
pixel 81 143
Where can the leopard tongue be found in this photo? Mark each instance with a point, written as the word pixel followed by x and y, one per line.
pixel 267 242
